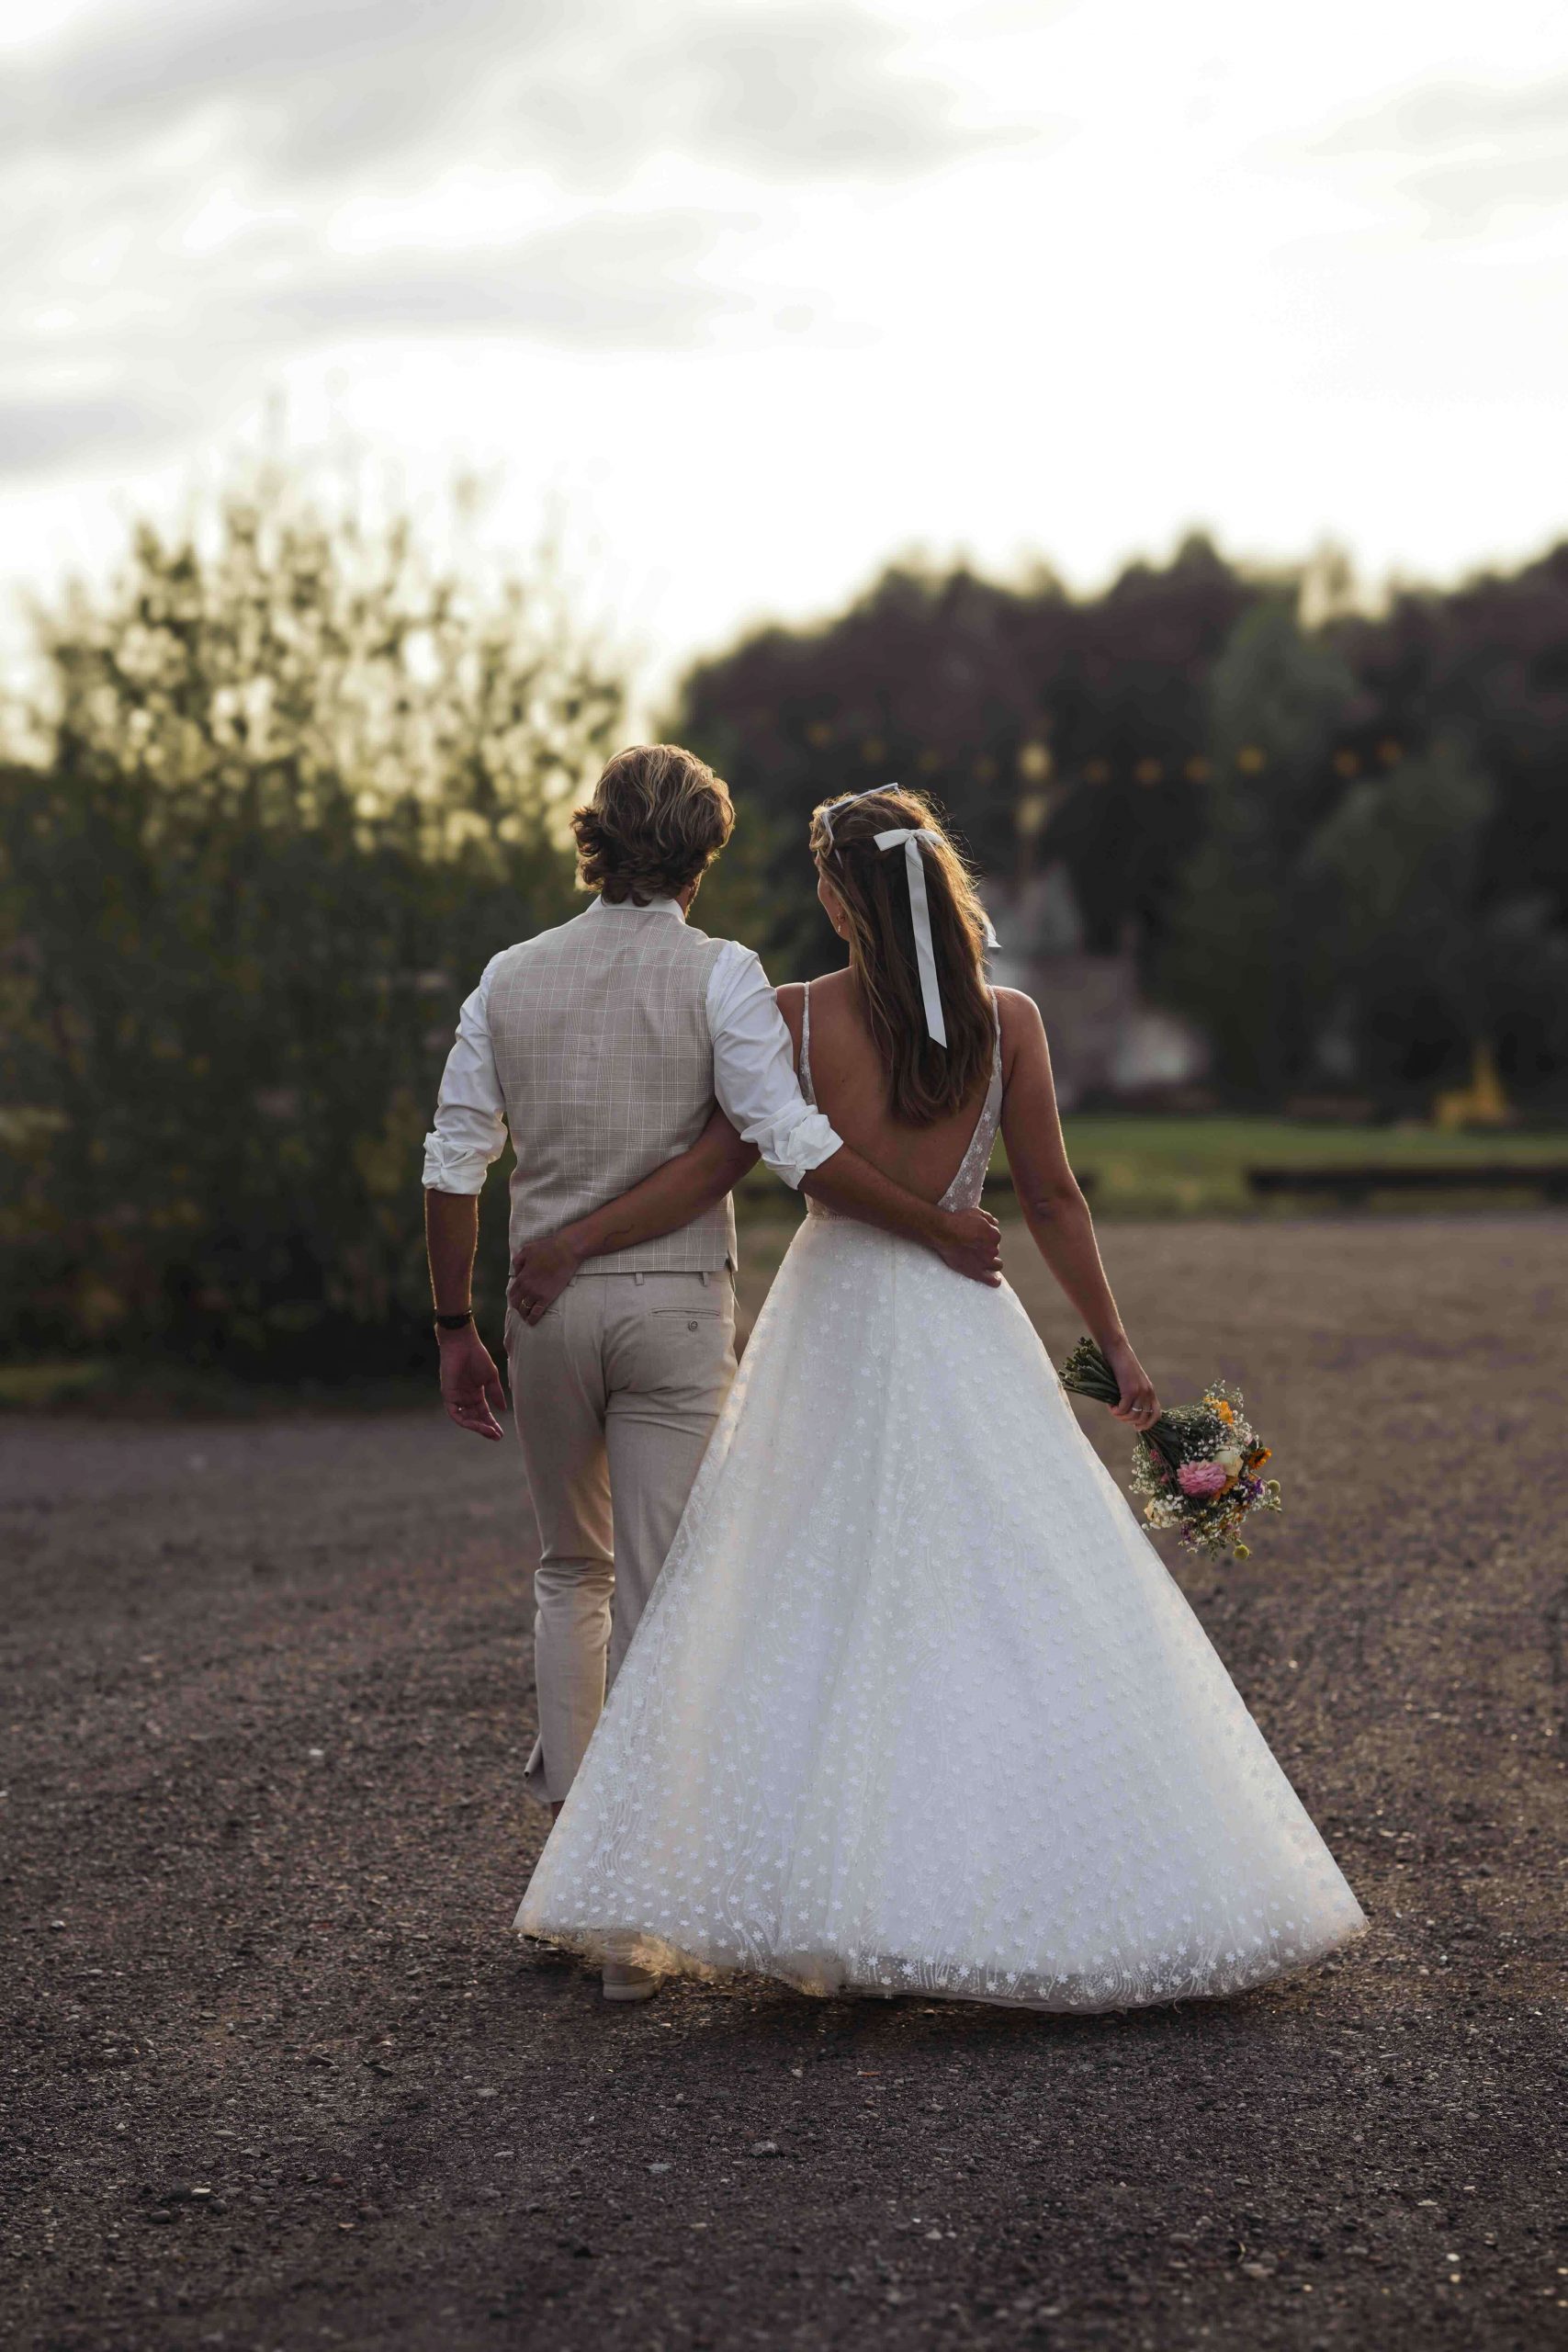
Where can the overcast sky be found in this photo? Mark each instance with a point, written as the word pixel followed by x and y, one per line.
pixel 758 293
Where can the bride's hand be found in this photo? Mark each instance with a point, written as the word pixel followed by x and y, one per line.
pixel 540 1271
pixel 1137 1403
pixel 970 1242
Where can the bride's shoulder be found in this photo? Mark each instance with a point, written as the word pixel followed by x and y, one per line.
pixel 826 992
pixel 1018 1023
pixel 1016 1011
pixel 790 998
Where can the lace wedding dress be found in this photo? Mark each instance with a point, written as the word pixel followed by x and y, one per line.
pixel 915 1706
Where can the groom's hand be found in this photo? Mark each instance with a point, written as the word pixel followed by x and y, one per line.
pixel 470 1385
pixel 970 1241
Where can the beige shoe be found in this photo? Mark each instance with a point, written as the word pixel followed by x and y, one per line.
pixel 623 1983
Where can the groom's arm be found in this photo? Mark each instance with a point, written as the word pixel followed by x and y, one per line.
pixel 470 1384
pixel 762 1111
pixel 697 1178
pixel 469 1131
pixel 966 1240
pixel 754 1078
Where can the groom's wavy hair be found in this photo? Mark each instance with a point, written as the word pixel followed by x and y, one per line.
pixel 925 1081
pixel 658 818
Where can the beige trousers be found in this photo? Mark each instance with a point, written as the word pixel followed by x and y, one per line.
pixel 616 1390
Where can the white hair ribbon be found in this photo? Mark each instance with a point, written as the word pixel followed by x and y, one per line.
pixel 911 836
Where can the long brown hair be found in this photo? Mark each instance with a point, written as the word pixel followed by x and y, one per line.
pixel 925 1081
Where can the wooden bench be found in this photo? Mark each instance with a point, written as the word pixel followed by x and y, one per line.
pixel 1355 1182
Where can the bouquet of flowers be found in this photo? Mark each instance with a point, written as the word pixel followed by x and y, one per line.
pixel 1199 1464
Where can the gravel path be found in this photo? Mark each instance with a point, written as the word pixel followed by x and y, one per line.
pixel 278 2076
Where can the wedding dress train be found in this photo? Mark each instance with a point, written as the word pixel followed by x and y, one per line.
pixel 915 1706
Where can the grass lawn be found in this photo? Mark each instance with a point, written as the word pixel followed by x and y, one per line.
pixel 1197 1166
pixel 1155 1167
pixel 1147 1167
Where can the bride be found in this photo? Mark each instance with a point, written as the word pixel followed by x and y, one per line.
pixel 915 1706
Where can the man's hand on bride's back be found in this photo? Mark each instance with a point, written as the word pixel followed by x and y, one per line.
pixel 971 1243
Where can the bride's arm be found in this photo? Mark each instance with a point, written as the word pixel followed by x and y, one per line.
pixel 675 1194
pixel 1053 1207
pixel 715 1164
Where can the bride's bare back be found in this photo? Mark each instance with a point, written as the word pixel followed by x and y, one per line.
pixel 850 1086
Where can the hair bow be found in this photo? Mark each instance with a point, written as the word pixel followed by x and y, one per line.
pixel 910 837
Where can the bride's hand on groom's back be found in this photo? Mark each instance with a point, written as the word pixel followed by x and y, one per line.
pixel 971 1243
pixel 540 1271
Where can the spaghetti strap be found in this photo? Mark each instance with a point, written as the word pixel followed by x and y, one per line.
pixel 805 1086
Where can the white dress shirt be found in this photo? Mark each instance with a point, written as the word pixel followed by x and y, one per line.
pixel 753 1076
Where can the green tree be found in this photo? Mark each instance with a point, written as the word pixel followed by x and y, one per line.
pixel 1402 944
pixel 1238 955
pixel 985 695
pixel 290 788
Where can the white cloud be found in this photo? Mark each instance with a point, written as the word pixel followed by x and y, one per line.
pixel 206 180
pixel 1471 157
pixel 781 88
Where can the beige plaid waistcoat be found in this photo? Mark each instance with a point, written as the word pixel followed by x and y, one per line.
pixel 601 1045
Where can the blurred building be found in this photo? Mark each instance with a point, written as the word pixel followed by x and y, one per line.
pixel 1108 1043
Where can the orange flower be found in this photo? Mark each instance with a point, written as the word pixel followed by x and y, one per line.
pixel 1258 1456
pixel 1221 1408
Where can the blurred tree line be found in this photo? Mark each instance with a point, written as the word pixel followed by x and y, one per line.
pixel 290 788
pixel 1340 842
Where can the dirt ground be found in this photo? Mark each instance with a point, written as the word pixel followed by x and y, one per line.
pixel 276 2075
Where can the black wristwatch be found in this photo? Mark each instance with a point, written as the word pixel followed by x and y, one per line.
pixel 455 1322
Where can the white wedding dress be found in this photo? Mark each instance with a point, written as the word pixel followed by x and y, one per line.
pixel 915 1706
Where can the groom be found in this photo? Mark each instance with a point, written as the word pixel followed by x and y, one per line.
pixel 641 1067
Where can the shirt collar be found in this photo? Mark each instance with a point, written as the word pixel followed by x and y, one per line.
pixel 662 906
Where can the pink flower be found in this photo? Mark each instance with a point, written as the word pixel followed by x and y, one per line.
pixel 1202 1478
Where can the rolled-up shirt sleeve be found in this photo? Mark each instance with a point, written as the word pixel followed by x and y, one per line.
pixel 753 1069
pixel 470 1110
